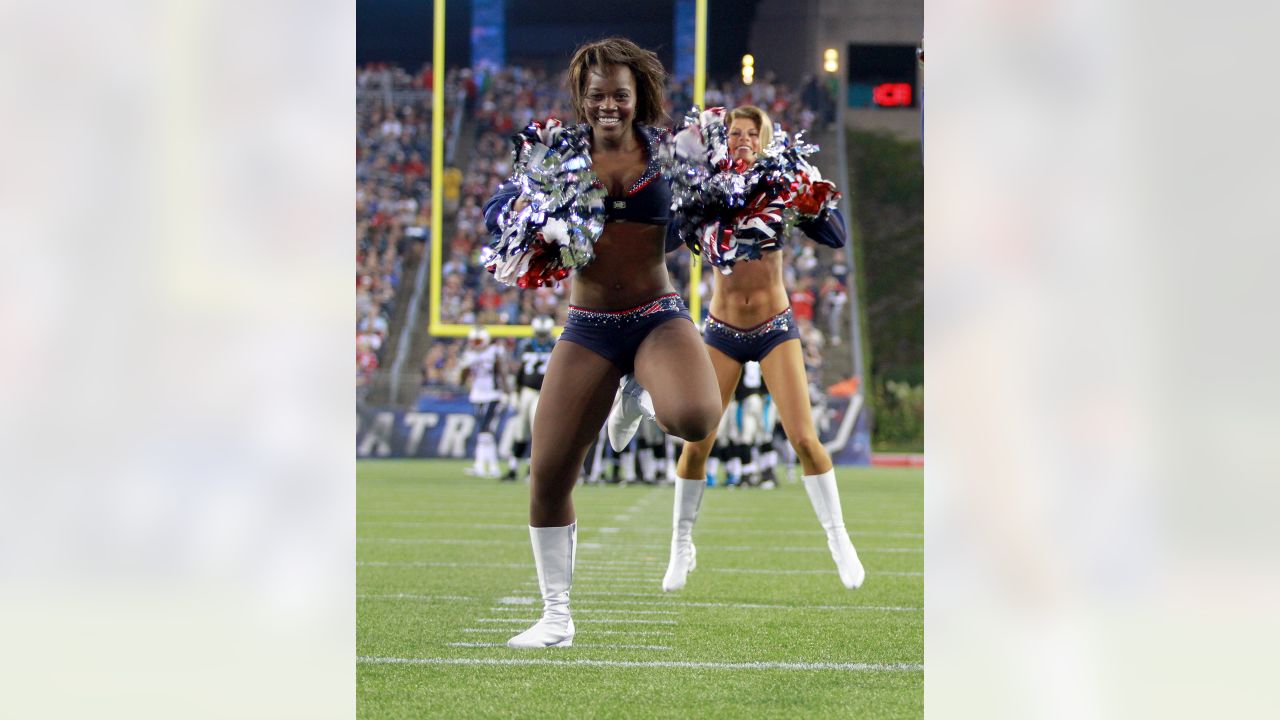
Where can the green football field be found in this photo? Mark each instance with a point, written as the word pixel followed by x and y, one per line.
pixel 763 629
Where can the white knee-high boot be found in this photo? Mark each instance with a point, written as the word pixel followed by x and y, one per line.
pixel 553 554
pixel 826 503
pixel 684 556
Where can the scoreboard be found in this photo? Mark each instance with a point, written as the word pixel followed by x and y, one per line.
pixel 882 76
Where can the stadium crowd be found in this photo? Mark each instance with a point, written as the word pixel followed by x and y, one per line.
pixel 393 195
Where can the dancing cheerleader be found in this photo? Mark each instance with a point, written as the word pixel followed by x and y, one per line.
pixel 624 315
pixel 750 319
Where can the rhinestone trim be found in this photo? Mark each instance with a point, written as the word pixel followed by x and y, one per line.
pixel 781 322
pixel 622 318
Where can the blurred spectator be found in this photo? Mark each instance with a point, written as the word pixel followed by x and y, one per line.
pixel 813 345
pixel 374 323
pixel 802 301
pixel 366 356
pixel 833 301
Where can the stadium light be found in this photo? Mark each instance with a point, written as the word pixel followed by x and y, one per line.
pixel 831 60
pixel 748 69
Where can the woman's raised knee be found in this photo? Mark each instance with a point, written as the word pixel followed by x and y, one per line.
pixel 692 422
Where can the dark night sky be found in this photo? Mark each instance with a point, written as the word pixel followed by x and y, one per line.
pixel 399 31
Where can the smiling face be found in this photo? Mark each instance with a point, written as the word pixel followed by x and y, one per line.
pixel 609 101
pixel 744 139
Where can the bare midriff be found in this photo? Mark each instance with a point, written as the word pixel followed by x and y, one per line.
pixel 629 270
pixel 752 294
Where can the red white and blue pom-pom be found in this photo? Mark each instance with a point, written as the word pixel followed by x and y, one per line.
pixel 556 232
pixel 737 211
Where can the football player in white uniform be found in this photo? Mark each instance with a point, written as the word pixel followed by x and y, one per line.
pixel 483 367
pixel 532 356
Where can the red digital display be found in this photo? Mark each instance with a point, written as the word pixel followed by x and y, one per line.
pixel 892 94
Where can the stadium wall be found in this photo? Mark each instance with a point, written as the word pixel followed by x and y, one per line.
pixel 442 426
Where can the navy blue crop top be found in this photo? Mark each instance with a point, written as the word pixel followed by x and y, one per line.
pixel 648 200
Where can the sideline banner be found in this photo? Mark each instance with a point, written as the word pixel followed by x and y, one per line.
pixel 442 426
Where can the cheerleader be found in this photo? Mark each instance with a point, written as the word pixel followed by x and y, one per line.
pixel 624 316
pixel 750 319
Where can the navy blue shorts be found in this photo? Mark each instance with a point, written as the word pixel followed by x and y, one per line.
pixel 745 345
pixel 616 335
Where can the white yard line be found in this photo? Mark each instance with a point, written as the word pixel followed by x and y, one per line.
pixel 816 532
pixel 642 633
pixel 525 566
pixel 733 606
pixel 586 564
pixel 590 645
pixel 620 570
pixel 761 606
pixel 817 548
pixel 713 523
pixel 440 541
pixel 847 667
pixel 424 563
pixel 446 512
pixel 517 527
pixel 605 580
pixel 594 621
pixel 577 609
pixel 759 571
pixel 579 593
pixel 406 596
pixel 598 546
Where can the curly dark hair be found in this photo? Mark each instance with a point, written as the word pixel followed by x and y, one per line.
pixel 650 76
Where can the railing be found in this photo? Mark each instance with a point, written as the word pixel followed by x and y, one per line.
pixel 409 380
pixel 853 306
pixel 404 342
pixel 454 128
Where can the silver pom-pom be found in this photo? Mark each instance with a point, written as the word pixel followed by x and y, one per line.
pixel 731 211
pixel 556 232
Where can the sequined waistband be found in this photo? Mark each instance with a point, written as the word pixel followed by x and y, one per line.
pixel 665 303
pixel 781 322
